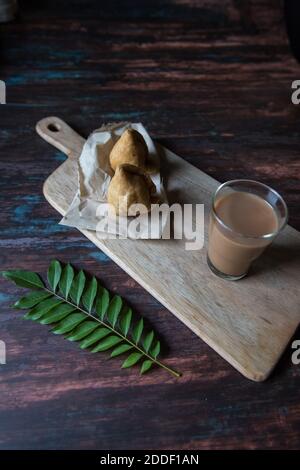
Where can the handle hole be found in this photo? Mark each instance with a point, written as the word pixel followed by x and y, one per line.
pixel 53 127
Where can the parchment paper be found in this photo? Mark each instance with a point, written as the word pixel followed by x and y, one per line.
pixel 89 208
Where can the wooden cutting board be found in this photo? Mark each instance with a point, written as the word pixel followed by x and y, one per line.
pixel 248 322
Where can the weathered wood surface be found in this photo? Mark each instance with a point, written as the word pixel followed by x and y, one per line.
pixel 242 321
pixel 210 80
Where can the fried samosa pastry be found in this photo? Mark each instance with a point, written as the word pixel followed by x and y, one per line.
pixel 130 148
pixel 130 186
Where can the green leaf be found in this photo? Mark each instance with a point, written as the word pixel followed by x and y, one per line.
pixel 94 337
pixel 83 330
pixel 57 313
pixel 39 310
pixel 24 279
pixel 122 348
pixel 30 300
pixel 131 360
pixel 155 350
pixel 74 317
pixel 126 321
pixel 66 280
pixel 69 323
pixel 102 302
pixel 54 273
pixel 148 341
pixel 107 343
pixel 114 310
pixel 77 287
pixel 90 294
pixel 137 332
pixel 146 366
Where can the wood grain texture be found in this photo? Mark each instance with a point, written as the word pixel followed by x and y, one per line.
pixel 211 81
pixel 249 323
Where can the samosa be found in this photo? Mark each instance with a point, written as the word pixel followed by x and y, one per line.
pixel 131 148
pixel 130 186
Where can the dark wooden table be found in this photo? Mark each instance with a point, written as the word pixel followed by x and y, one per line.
pixel 211 80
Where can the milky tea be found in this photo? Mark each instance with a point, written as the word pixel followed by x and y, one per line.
pixel 242 225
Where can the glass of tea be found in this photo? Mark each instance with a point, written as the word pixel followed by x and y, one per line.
pixel 245 218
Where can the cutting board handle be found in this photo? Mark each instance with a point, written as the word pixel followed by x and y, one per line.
pixel 56 132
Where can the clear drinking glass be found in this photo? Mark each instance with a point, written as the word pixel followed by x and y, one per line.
pixel 245 218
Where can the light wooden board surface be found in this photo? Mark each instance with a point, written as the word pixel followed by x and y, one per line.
pixel 248 322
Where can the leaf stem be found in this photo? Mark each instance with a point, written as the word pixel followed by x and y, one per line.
pixel 106 325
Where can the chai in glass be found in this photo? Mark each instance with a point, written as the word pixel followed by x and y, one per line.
pixel 245 218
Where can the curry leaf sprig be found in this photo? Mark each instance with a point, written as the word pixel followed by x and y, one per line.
pixel 82 310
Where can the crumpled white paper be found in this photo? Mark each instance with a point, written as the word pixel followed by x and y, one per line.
pixel 89 208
